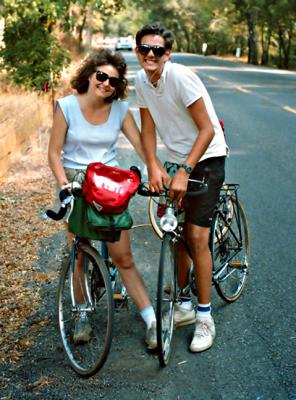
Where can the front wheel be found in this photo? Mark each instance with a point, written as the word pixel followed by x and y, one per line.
pixel 230 248
pixel 166 295
pixel 86 357
pixel 155 211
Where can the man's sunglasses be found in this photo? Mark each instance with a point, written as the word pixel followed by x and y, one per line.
pixel 144 49
pixel 102 77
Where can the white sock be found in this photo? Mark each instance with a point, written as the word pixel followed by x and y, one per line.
pixel 186 305
pixel 148 315
pixel 203 310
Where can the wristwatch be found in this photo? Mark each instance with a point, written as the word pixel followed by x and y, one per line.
pixel 187 168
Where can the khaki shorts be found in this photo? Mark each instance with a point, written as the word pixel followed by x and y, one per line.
pixel 72 175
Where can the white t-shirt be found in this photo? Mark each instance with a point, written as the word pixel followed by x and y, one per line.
pixel 168 104
pixel 85 142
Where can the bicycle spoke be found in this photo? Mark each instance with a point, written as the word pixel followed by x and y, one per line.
pixel 166 293
pixel 230 252
pixel 87 356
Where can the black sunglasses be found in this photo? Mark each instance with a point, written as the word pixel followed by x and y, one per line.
pixel 144 49
pixel 102 77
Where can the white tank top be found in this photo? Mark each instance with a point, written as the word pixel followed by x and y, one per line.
pixel 85 142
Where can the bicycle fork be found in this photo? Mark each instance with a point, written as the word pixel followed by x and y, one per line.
pixel 88 305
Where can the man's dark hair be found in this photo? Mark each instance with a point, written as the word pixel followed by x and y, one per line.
pixel 89 66
pixel 156 28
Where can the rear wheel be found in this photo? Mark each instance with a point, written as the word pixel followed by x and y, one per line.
pixel 230 248
pixel 166 294
pixel 88 357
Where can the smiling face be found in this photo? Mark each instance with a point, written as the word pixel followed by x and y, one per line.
pixel 152 64
pixel 103 89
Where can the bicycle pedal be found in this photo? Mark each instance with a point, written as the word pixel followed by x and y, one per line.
pixel 119 297
pixel 235 264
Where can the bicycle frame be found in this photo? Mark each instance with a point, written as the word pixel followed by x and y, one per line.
pixel 230 193
pixel 233 188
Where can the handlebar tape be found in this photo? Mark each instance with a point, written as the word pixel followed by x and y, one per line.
pixel 144 191
pixel 137 171
pixel 64 194
pixel 57 216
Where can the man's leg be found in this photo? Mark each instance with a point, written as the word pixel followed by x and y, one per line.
pixel 184 313
pixel 198 241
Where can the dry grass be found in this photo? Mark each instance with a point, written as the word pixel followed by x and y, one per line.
pixel 23 196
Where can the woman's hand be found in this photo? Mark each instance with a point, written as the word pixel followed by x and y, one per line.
pixel 158 178
pixel 67 186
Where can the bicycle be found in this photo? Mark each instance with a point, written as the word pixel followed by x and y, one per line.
pixel 229 246
pixel 102 290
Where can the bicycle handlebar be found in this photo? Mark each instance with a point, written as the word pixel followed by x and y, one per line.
pixel 195 188
pixel 65 198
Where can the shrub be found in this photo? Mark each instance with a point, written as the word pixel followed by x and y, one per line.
pixel 31 55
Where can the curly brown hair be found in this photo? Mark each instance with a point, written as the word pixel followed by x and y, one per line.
pixel 100 57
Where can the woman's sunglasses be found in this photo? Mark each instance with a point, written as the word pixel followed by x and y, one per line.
pixel 102 77
pixel 144 49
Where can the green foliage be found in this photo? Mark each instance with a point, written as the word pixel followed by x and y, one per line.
pixel 31 54
pixel 32 51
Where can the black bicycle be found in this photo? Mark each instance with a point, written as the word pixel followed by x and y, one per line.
pixel 229 246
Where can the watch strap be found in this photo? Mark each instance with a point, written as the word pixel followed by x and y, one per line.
pixel 187 168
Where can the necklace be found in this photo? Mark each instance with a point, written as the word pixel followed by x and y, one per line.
pixel 154 82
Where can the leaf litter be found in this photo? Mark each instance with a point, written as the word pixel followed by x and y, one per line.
pixel 26 190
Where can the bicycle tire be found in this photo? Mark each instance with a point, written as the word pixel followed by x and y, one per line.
pixel 166 295
pixel 88 358
pixel 231 263
pixel 154 219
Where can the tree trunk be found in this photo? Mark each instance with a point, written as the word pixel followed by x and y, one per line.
pixel 89 30
pixel 252 39
pixel 265 44
pixel 188 41
pixel 81 29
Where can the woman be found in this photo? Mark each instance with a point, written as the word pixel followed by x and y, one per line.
pixel 86 126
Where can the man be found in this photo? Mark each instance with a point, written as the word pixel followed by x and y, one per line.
pixel 174 102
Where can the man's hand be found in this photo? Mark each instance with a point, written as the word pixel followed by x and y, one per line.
pixel 179 185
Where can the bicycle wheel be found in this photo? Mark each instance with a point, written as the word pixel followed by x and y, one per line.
pixel 166 294
pixel 230 248
pixel 154 213
pixel 86 358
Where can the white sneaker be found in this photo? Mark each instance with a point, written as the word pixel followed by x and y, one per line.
pixel 204 335
pixel 183 317
pixel 151 337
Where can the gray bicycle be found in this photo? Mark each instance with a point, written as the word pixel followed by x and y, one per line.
pixel 229 245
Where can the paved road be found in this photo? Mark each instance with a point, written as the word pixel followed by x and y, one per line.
pixel 255 350
pixel 254 353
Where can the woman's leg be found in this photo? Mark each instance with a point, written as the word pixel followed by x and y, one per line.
pixel 83 329
pixel 79 291
pixel 123 259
